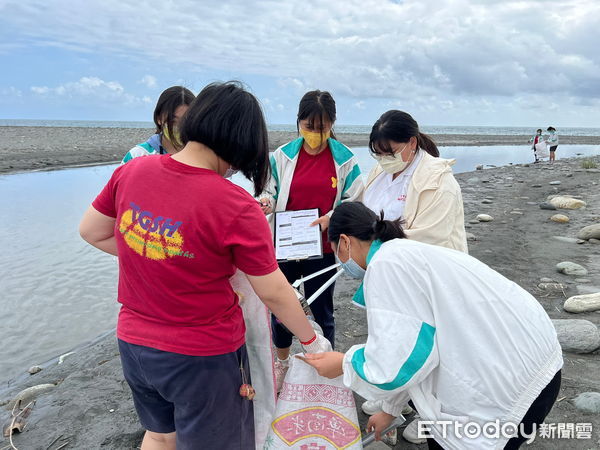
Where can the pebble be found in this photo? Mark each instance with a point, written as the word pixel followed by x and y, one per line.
pixel 473 180
pixel 583 303
pixel 581 241
pixel 479 167
pixel 560 218
pixel 594 241
pixel 484 218
pixel 590 232
pixel 473 221
pixel 582 280
pixel 546 205
pixel 34 369
pixel 536 185
pixel 567 202
pixel 588 402
pixel 577 335
pixel 471 237
pixel 546 280
pixel 571 268
pixel 531 203
pixel 558 287
pixel 485 181
pixel 516 212
pixel 554 183
pixel 487 201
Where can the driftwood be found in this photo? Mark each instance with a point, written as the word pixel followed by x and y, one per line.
pixel 18 421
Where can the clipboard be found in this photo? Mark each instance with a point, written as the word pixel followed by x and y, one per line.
pixel 294 238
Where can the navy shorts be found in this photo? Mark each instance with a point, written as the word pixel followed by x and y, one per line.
pixel 196 396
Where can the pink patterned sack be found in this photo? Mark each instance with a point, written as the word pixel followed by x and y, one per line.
pixel 313 413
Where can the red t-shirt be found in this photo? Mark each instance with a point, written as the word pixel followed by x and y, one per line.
pixel 181 232
pixel 314 185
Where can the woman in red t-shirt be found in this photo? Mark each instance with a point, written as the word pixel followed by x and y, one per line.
pixel 180 230
pixel 313 171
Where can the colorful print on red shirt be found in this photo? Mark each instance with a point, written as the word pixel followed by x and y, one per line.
pixel 181 233
pixel 314 185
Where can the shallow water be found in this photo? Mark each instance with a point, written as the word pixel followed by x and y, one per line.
pixel 57 291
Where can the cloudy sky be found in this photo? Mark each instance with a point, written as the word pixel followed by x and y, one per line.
pixel 503 63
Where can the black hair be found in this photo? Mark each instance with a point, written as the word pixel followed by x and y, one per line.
pixel 314 107
pixel 355 219
pixel 539 130
pixel 229 120
pixel 551 129
pixel 398 126
pixel 164 112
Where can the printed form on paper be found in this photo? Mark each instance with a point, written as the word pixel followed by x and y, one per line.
pixel 295 238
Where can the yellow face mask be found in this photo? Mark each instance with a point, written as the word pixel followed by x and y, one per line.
pixel 175 139
pixel 314 139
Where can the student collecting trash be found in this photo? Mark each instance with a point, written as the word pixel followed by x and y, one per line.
pixel 463 342
pixel 181 230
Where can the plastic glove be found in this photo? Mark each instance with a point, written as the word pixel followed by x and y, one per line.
pixel 319 345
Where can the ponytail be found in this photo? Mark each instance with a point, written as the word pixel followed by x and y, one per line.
pixel 386 230
pixel 427 144
pixel 355 219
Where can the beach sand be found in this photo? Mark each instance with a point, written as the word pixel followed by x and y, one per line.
pixel 91 406
pixel 35 148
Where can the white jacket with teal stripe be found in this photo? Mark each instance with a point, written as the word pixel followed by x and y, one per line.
pixel 283 163
pixel 445 330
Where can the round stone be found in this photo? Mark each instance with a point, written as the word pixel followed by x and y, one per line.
pixel 571 268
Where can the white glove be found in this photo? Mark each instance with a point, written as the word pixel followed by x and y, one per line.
pixel 319 345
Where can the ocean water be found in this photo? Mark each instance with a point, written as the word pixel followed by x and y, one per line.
pixel 357 129
pixel 58 292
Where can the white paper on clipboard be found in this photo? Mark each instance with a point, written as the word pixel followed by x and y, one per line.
pixel 294 237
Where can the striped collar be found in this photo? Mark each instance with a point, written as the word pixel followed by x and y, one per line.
pixel 341 153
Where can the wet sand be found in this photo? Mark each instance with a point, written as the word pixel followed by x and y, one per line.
pixel 39 148
pixel 91 405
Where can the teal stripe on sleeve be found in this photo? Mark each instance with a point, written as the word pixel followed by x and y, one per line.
pixel 127 158
pixel 412 365
pixel 146 146
pixel 351 178
pixel 275 175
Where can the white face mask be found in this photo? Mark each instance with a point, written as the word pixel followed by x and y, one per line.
pixel 392 163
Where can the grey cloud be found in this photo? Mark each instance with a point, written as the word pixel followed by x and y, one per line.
pixel 360 48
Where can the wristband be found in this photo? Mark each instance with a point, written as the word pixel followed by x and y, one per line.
pixel 313 339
